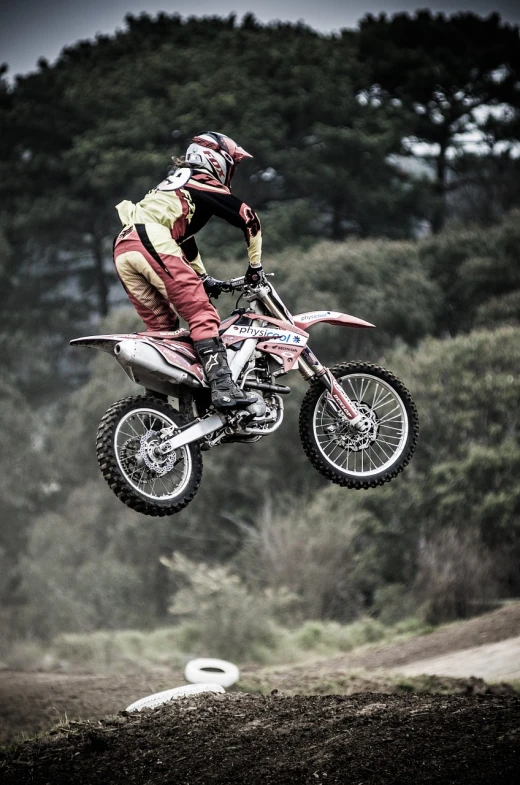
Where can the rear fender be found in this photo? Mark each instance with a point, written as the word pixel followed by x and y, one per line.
pixel 143 358
pixel 105 343
pixel 306 320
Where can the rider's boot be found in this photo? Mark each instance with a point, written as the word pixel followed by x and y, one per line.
pixel 225 394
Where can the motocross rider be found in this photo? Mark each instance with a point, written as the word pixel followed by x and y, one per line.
pixel 158 262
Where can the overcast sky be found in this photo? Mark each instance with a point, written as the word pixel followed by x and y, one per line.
pixel 30 29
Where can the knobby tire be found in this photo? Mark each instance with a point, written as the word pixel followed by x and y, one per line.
pixel 308 441
pixel 106 455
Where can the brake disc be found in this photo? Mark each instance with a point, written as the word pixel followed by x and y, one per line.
pixel 352 439
pixel 154 461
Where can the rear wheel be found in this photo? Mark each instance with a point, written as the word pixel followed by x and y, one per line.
pixel 340 452
pixel 142 478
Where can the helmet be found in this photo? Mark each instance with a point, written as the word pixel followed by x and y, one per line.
pixel 216 153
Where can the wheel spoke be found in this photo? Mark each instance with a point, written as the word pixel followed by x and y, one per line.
pixel 364 388
pixel 132 427
pixel 369 458
pixel 392 427
pixel 353 390
pixel 377 443
pixel 391 419
pixel 129 435
pixel 382 400
pixel 163 484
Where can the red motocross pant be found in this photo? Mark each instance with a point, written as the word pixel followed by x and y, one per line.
pixel 159 282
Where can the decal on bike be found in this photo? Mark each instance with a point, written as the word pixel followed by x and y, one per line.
pixel 287 354
pixel 309 317
pixel 284 336
pixel 342 400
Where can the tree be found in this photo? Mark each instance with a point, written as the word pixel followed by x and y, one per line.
pixel 478 271
pixel 25 488
pixel 465 471
pixel 447 74
pixel 348 178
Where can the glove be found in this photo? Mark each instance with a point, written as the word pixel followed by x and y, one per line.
pixel 254 276
pixel 212 286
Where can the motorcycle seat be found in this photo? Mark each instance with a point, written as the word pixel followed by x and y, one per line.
pixel 183 334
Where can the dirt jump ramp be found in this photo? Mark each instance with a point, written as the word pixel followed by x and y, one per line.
pixel 237 738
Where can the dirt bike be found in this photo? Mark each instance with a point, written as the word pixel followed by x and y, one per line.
pixel 358 423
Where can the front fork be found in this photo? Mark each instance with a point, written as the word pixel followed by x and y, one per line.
pixel 309 366
pixel 338 402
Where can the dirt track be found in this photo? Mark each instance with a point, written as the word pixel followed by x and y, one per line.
pixel 236 738
pixel 493 662
pixel 479 631
pixel 34 702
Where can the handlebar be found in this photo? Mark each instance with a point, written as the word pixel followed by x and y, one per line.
pixel 238 283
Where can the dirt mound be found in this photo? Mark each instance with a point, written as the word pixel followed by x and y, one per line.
pixel 36 702
pixel 240 738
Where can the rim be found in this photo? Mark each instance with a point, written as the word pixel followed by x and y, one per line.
pixel 159 479
pixel 353 453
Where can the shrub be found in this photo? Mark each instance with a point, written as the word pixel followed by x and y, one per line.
pixel 231 620
pixel 455 574
pixel 311 553
pixel 393 602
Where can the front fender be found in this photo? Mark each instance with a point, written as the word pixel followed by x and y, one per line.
pixel 306 320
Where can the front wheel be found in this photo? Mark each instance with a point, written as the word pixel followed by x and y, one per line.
pixel 138 474
pixel 341 453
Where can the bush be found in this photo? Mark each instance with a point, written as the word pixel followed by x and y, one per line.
pixel 499 311
pixel 393 602
pixel 456 574
pixel 313 554
pixel 472 266
pixel 73 584
pixel 465 471
pixel 328 637
pixel 231 620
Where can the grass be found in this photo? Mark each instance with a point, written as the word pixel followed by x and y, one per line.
pixel 291 680
pixel 171 647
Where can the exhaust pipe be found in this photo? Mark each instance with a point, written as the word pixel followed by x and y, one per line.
pixel 139 359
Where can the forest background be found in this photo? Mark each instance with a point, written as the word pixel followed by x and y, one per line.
pixel 387 177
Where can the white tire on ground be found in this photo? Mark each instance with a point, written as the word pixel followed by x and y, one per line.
pixel 158 698
pixel 219 671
